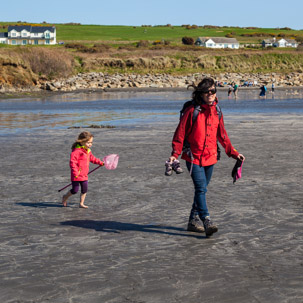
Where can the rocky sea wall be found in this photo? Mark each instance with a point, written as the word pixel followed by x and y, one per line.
pixel 103 81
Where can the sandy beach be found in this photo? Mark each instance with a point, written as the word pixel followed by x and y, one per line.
pixel 131 245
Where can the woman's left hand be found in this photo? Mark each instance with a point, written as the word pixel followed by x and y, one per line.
pixel 241 157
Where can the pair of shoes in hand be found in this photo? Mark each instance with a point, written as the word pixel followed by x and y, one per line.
pixel 173 166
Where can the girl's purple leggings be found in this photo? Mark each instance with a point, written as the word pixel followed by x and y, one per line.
pixel 75 187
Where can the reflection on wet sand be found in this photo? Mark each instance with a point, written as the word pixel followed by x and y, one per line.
pixel 41 120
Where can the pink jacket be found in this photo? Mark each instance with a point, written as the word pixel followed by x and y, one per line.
pixel 79 163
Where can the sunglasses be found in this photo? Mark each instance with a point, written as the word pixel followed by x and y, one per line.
pixel 210 91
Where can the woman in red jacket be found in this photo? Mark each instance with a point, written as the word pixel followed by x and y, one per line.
pixel 202 134
pixel 79 163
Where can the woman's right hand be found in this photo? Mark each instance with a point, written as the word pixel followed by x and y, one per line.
pixel 172 159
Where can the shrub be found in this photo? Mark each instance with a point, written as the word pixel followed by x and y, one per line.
pixel 258 35
pixel 300 48
pixel 72 23
pixel 212 26
pixel 157 42
pixel 188 40
pixel 143 43
pixel 192 26
pixel 100 48
pixel 77 46
pixel 96 48
pixel 49 62
pixel 299 39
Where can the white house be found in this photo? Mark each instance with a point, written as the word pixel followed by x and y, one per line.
pixel 280 43
pixel 217 42
pixel 27 34
pixel 287 43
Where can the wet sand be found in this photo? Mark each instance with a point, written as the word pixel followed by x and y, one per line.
pixel 131 245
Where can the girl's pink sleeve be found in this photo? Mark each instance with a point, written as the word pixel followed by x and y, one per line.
pixel 95 160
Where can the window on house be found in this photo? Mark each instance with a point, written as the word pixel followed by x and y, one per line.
pixel 24 34
pixel 24 42
pixel 47 41
pixel 13 34
pixel 14 42
pixel 47 35
pixel 36 42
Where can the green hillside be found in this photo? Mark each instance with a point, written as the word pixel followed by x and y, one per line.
pixel 173 34
pixel 115 49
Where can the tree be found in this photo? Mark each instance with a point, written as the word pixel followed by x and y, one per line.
pixel 188 40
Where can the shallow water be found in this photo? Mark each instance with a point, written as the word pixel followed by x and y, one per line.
pixel 129 109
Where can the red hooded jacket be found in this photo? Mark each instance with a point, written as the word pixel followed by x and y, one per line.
pixel 202 136
pixel 79 163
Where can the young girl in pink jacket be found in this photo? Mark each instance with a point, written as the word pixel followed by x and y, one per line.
pixel 80 157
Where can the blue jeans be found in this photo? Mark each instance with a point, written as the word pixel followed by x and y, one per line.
pixel 201 176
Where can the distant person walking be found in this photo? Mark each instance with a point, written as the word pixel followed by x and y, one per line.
pixel 80 157
pixel 229 92
pixel 236 87
pixel 263 91
pixel 273 87
pixel 201 135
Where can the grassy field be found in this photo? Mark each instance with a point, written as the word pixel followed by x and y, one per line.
pixel 173 34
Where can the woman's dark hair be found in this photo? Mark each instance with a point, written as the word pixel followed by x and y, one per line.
pixel 201 88
pixel 82 139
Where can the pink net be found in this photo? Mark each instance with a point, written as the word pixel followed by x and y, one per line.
pixel 239 172
pixel 111 161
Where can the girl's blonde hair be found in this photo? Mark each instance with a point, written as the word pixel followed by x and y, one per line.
pixel 82 139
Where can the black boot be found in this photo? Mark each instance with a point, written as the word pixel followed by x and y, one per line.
pixel 209 226
pixel 195 225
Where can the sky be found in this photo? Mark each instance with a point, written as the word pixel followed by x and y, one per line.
pixel 259 13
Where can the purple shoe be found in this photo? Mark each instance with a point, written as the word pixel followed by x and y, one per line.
pixel 176 167
pixel 168 168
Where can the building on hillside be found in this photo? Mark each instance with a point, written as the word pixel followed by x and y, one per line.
pixel 280 43
pixel 287 43
pixel 268 42
pixel 3 38
pixel 217 42
pixel 27 34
